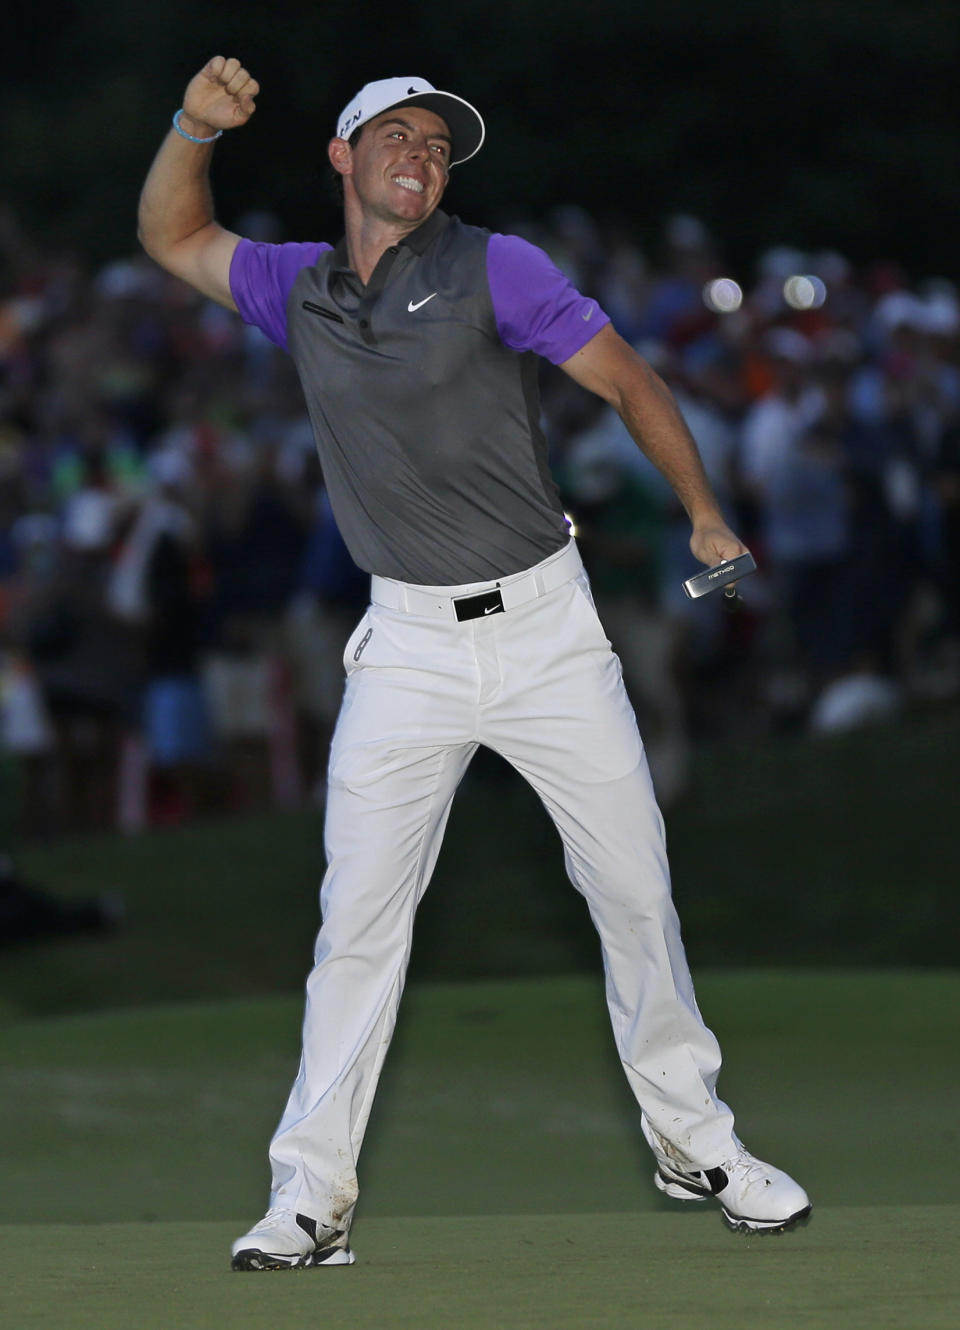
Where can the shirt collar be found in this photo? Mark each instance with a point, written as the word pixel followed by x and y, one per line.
pixel 417 240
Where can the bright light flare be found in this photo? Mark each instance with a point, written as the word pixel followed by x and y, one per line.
pixel 723 295
pixel 804 292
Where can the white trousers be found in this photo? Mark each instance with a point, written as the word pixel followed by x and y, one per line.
pixel 539 684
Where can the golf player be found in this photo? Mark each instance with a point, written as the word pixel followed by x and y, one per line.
pixel 416 340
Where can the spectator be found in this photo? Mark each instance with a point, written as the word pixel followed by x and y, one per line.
pixel 158 587
pixel 87 663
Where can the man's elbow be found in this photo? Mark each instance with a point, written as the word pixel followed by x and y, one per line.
pixel 150 239
pixel 167 254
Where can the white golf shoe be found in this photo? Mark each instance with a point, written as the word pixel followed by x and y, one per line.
pixel 754 1197
pixel 285 1240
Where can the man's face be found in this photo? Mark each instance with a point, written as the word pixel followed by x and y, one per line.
pixel 400 163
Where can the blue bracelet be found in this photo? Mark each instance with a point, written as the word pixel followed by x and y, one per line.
pixel 184 135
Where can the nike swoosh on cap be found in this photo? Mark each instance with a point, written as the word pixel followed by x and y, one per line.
pixel 411 306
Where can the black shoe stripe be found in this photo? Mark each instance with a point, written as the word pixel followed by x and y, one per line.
pixel 325 1253
pixel 331 1242
pixel 686 1182
pixel 717 1179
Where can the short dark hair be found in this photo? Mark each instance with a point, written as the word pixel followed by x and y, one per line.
pixel 336 179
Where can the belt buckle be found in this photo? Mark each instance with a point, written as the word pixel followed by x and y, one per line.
pixel 479 606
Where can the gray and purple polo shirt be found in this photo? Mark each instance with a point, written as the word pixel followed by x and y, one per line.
pixel 422 391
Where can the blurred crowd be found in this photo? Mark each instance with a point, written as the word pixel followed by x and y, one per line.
pixel 174 594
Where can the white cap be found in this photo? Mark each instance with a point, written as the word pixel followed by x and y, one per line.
pixel 463 120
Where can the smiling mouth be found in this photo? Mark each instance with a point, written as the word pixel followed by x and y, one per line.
pixel 408 182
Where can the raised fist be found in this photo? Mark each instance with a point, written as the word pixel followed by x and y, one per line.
pixel 221 96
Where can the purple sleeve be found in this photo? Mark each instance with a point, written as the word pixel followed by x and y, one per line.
pixel 261 277
pixel 536 307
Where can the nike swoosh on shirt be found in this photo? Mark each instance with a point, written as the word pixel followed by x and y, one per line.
pixel 411 306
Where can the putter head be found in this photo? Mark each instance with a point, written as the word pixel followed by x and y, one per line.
pixel 720 575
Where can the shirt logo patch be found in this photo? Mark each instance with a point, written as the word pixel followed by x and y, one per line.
pixel 589 315
pixel 411 306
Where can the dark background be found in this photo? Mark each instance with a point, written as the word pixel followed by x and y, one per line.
pixel 775 121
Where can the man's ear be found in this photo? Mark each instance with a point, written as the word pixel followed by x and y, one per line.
pixel 341 156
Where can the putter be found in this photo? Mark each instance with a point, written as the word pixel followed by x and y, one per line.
pixel 720 575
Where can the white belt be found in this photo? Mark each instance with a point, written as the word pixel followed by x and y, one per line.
pixel 478 600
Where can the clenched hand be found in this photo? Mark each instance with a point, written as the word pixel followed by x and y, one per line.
pixel 221 96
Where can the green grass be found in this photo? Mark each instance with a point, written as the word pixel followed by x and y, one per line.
pixel 498 1097
pixel 825 851
pixel 504 1181
pixel 853 1269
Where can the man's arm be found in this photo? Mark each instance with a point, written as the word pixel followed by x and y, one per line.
pixel 175 222
pixel 610 368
